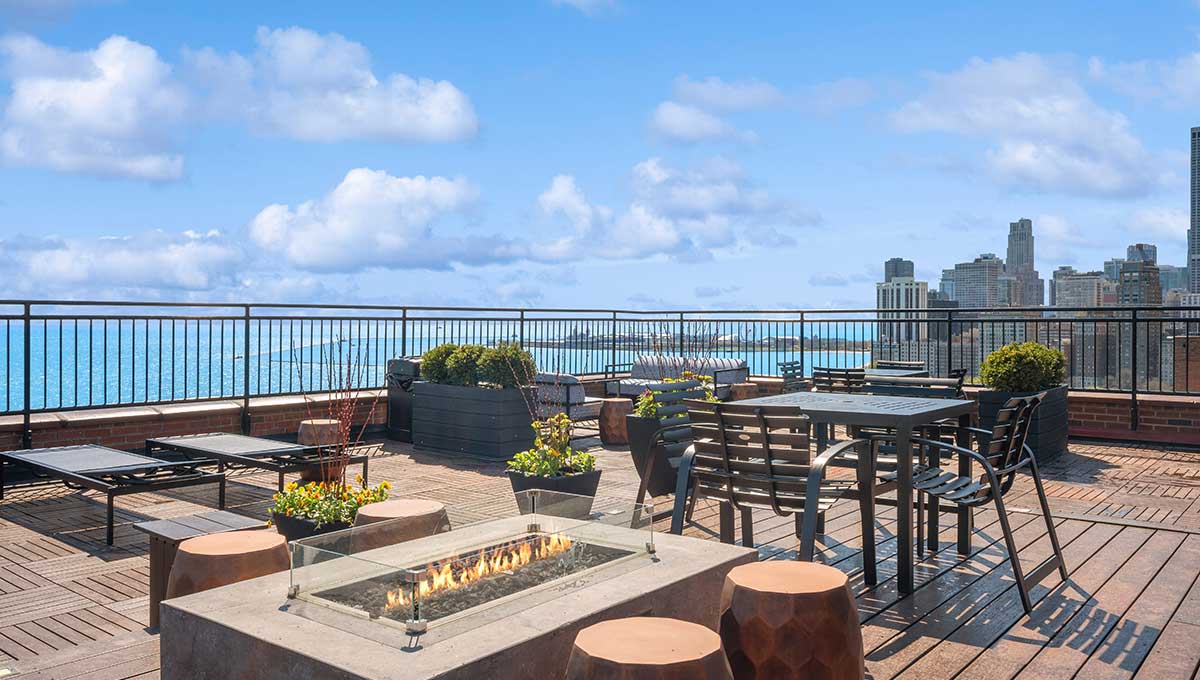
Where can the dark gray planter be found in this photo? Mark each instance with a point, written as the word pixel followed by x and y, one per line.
pixel 1048 433
pixel 641 431
pixel 581 488
pixel 471 420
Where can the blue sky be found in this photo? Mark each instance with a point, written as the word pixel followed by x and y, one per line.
pixel 586 153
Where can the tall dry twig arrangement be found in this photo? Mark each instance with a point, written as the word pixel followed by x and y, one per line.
pixel 344 395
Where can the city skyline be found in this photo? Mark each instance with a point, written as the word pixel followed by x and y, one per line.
pixel 555 153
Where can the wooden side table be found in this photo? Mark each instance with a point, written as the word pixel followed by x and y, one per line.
pixel 215 560
pixel 742 390
pixel 397 521
pixel 612 420
pixel 789 619
pixel 647 648
pixel 165 537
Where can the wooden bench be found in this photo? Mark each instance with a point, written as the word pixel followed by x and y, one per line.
pixel 165 537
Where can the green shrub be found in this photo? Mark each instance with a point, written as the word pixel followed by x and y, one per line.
pixel 1024 367
pixel 506 365
pixel 433 363
pixel 462 368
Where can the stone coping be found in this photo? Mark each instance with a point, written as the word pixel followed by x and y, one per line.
pixel 136 414
pixel 262 639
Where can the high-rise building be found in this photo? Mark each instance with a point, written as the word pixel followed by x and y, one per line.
pixel 1008 291
pixel 1064 270
pixel 1172 277
pixel 902 292
pixel 897 267
pixel 1142 252
pixel 1080 289
pixel 1019 264
pixel 946 286
pixel 975 282
pixel 1193 262
pixel 1112 269
pixel 1140 284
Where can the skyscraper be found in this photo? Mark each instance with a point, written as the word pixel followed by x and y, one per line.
pixel 1142 252
pixel 1028 290
pixel 1140 284
pixel 1060 273
pixel 902 292
pixel 897 267
pixel 1112 269
pixel 1194 231
pixel 975 282
pixel 946 286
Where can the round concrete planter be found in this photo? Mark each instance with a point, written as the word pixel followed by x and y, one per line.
pixel 582 484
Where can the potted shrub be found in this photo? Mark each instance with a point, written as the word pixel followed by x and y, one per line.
pixel 474 400
pixel 552 465
pixel 1022 369
pixel 300 511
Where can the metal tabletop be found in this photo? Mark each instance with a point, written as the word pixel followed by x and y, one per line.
pixel 902 414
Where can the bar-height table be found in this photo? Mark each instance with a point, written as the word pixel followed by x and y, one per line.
pixel 902 414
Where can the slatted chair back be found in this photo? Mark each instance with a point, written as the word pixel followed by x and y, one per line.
pixel 751 456
pixel 900 365
pixel 670 397
pixel 1005 449
pixel 935 388
pixel 838 379
pixel 792 373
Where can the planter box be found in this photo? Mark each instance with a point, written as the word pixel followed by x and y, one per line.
pixel 1048 433
pixel 641 431
pixel 296 528
pixel 583 484
pixel 471 420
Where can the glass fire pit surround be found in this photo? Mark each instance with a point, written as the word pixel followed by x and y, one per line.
pixel 550 542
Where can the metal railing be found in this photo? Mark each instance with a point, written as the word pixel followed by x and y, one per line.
pixel 68 355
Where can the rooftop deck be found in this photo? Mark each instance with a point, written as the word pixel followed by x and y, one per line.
pixel 1129 518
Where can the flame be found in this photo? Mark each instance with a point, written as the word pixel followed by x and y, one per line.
pixel 487 562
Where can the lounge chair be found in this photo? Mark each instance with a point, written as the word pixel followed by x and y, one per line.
pixel 239 451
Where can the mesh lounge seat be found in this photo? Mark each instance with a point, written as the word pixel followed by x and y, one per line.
pixel 564 393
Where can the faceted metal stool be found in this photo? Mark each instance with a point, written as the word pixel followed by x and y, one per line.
pixel 320 432
pixel 647 648
pixel 220 559
pixel 788 619
pixel 392 522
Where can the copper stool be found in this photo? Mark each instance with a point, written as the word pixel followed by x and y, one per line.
pixel 788 619
pixel 220 559
pixel 647 648
pixel 400 520
pixel 612 420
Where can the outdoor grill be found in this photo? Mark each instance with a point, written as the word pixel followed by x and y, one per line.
pixel 401 373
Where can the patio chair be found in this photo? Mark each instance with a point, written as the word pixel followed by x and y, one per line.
pixel 657 457
pixel 792 373
pixel 751 456
pixel 1002 454
pixel 837 380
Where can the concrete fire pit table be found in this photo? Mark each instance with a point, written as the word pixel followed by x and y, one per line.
pixel 254 630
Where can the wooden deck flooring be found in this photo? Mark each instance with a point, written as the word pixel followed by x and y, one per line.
pixel 1127 516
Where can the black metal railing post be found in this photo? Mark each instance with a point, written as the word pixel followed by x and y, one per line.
pixel 949 341
pixel 521 330
pixel 613 342
pixel 26 428
pixel 246 370
pixel 681 352
pixel 1133 388
pixel 803 362
pixel 404 332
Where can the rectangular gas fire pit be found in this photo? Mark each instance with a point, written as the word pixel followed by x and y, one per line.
pixel 499 598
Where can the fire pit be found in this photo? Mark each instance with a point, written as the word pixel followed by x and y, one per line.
pixel 496 597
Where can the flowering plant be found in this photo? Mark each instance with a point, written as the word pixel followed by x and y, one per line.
pixel 327 502
pixel 552 455
pixel 647 407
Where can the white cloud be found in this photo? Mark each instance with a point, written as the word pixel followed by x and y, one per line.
pixel 682 123
pixel 589 7
pixel 372 219
pixel 683 213
pixel 144 263
pixel 1177 81
pixel 715 94
pixel 309 86
pixel 1170 224
pixel 837 95
pixel 111 111
pixel 1046 133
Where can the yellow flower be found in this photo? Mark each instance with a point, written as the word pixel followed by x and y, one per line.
pixel 386 486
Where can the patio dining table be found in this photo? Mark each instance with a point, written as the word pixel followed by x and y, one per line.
pixel 903 415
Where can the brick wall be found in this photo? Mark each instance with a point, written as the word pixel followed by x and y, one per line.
pixel 129 427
